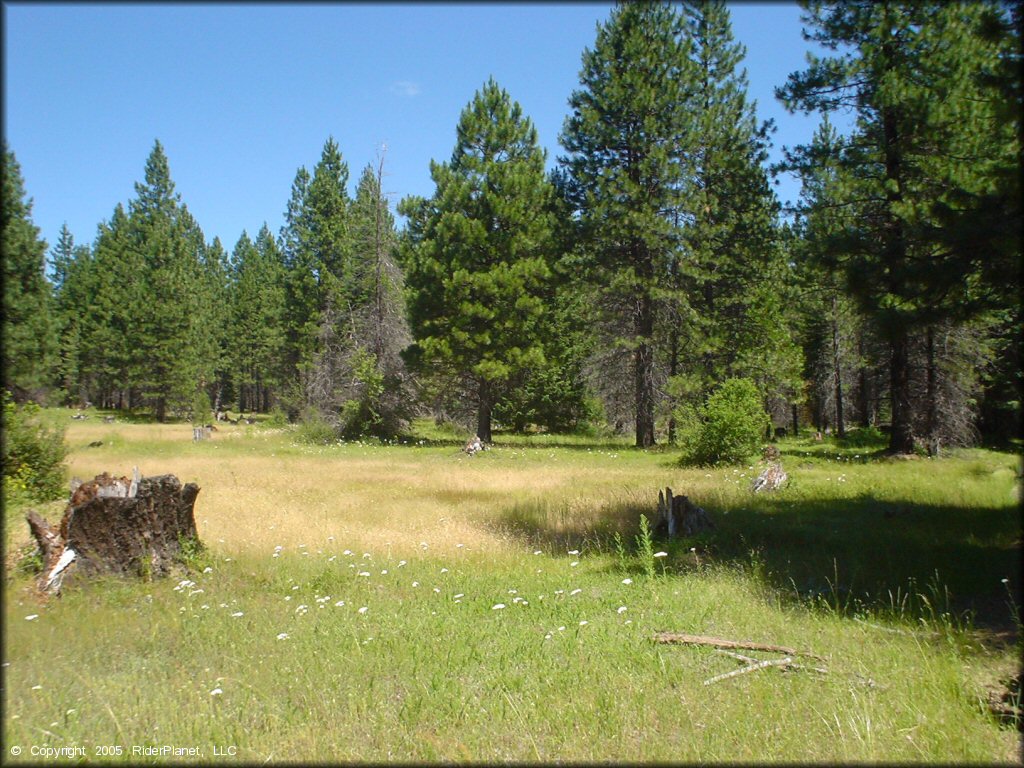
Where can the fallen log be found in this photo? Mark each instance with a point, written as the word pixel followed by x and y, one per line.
pixel 118 525
pixel 718 642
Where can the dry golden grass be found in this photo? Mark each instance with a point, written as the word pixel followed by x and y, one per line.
pixel 260 490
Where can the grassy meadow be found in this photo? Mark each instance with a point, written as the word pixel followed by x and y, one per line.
pixel 406 602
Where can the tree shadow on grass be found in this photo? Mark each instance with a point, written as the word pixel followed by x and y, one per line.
pixel 902 559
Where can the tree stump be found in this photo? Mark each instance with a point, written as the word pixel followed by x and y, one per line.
pixel 118 525
pixel 770 479
pixel 474 446
pixel 677 514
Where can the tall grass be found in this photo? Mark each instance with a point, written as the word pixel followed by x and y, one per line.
pixel 349 612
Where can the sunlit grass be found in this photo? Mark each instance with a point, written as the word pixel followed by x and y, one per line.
pixel 345 607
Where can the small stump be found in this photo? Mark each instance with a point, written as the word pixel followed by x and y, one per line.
pixel 118 525
pixel 770 479
pixel 678 515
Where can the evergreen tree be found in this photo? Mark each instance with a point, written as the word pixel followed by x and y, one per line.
pixel 29 342
pixel 70 265
pixel 111 288
pixel 166 243
pixel 931 143
pixel 731 270
pixel 257 309
pixel 478 253
pixel 626 140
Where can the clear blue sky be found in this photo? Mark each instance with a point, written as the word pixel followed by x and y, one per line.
pixel 242 95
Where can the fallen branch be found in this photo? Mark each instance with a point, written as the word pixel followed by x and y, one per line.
pixel 751 668
pixel 894 631
pixel 718 642
pixel 740 656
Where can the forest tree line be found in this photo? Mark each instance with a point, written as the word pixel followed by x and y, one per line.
pixel 618 289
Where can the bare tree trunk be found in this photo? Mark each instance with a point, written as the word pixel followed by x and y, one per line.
pixel 901 438
pixel 932 394
pixel 796 422
pixel 673 369
pixel 864 386
pixel 484 406
pixel 837 371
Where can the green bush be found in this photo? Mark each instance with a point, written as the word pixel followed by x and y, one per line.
pixel 733 425
pixel 33 453
pixel 865 437
pixel 315 429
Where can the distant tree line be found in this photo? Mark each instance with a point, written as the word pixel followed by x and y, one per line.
pixel 621 288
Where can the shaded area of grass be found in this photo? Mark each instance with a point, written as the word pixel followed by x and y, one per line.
pixel 909 539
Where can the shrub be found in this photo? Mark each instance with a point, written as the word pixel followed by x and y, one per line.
pixel 734 421
pixel 33 453
pixel 315 429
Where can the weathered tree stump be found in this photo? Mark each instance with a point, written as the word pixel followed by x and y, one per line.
pixel 474 446
pixel 770 479
pixel 678 515
pixel 118 525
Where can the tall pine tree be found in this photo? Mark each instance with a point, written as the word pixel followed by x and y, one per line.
pixel 626 162
pixel 478 253
pixel 29 341
pixel 929 152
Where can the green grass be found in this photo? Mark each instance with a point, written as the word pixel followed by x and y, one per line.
pixel 432 671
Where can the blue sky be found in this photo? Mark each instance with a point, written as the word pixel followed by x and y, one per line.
pixel 242 95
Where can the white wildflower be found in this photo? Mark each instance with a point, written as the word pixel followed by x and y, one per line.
pixel 216 692
pixel 283 636
pixel 627 581
pixel 575 592
pixel 364 609
pixel 661 554
pixel 32 617
pixel 497 606
pixel 622 609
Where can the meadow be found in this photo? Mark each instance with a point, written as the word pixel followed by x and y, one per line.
pixel 406 602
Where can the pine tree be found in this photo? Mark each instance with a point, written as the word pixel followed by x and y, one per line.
pixel 626 142
pixel 110 290
pixel 302 296
pixel 931 141
pixel 70 265
pixel 161 359
pixel 478 253
pixel 29 342
pixel 731 267
pixel 257 309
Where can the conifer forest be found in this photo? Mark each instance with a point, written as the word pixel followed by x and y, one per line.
pixel 615 288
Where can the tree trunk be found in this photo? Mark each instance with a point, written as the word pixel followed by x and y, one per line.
pixel 483 414
pixel 901 437
pixel 673 369
pixel 932 395
pixel 644 373
pixel 796 422
pixel 124 526
pixel 837 371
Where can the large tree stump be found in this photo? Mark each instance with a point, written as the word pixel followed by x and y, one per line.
pixel 677 514
pixel 120 526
